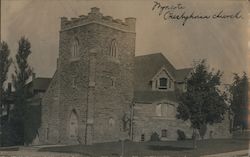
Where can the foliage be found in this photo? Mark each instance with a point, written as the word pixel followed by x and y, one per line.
pixel 203 103
pixel 154 137
pixel 22 73
pixel 239 100
pixel 32 122
pixel 5 62
pixel 181 135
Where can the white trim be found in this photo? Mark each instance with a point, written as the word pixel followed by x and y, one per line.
pixel 162 68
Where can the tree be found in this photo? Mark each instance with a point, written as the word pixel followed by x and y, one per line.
pixel 22 73
pixel 203 103
pixel 5 62
pixel 239 100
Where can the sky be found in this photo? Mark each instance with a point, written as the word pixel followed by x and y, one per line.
pixel 222 42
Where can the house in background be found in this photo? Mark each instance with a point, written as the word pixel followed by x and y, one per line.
pixel 36 89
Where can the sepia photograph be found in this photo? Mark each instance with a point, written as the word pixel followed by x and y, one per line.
pixel 124 78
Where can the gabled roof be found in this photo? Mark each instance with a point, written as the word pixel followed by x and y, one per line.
pixel 39 83
pixel 147 66
pixel 181 74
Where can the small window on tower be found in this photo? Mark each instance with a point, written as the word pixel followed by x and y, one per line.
pixel 111 122
pixel 75 48
pixel 113 48
pixel 74 82
pixel 113 82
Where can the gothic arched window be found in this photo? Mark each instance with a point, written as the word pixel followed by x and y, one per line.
pixel 75 48
pixel 111 122
pixel 113 48
pixel 158 110
pixel 165 110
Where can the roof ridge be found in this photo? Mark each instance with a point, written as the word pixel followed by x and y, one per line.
pixel 185 68
pixel 150 54
pixel 43 78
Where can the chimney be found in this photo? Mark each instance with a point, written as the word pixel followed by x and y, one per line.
pixel 33 76
pixel 9 87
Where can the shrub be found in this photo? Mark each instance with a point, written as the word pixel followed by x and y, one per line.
pixel 154 137
pixel 181 135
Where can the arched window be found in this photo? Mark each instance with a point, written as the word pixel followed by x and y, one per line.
pixel 158 110
pixel 75 48
pixel 165 110
pixel 171 111
pixel 111 122
pixel 113 48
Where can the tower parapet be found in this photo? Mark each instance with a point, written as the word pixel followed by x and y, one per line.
pixel 95 16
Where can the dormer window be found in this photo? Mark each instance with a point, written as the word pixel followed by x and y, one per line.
pixel 163 83
pixel 113 48
pixel 75 48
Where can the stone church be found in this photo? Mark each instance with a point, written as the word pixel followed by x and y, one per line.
pixel 99 86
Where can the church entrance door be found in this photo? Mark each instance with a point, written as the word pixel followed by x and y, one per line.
pixel 73 126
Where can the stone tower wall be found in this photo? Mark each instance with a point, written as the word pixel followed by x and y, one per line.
pixel 83 82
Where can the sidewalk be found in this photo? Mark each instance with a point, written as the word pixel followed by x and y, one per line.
pixel 33 152
pixel 241 153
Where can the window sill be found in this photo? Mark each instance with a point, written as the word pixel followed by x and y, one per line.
pixel 164 117
pixel 74 59
pixel 162 88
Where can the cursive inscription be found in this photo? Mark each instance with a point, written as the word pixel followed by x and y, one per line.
pixel 178 12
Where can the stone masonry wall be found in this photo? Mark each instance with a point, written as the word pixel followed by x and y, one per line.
pixel 146 122
pixel 48 133
pixel 73 78
pixel 114 83
pixel 95 85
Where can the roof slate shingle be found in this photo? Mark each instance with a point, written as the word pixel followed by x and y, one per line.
pixel 146 67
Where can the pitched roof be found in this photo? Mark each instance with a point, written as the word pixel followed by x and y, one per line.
pixel 39 84
pixel 147 66
pixel 181 74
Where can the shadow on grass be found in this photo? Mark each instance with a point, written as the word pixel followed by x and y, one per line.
pixel 9 148
pixel 65 149
pixel 170 148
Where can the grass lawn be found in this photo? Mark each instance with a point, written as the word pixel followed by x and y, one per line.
pixel 171 148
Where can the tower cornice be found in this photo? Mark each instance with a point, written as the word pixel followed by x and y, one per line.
pixel 96 17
